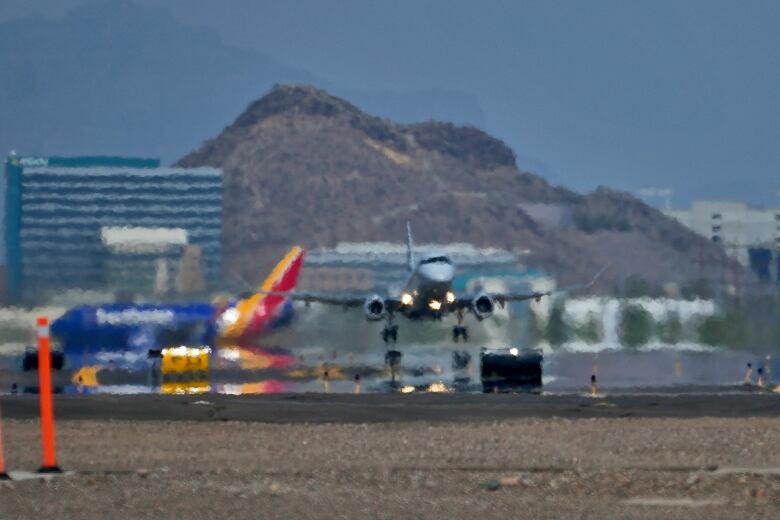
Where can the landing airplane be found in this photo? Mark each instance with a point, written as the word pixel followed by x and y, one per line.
pixel 142 328
pixel 427 295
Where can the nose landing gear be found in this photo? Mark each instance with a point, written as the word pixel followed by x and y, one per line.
pixel 390 333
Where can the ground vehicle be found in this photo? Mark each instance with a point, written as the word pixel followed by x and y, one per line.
pixel 511 369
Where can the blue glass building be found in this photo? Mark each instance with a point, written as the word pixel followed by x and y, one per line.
pixel 58 212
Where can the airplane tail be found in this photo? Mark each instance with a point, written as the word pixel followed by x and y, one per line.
pixel 256 311
pixel 285 275
pixel 409 246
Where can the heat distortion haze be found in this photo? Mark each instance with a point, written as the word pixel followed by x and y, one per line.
pixel 380 260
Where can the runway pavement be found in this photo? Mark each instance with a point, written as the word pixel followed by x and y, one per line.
pixel 378 408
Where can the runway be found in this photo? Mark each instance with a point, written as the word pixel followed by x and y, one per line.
pixel 465 462
pixel 382 408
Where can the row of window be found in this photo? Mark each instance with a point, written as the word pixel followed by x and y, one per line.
pixel 718 216
pixel 716 239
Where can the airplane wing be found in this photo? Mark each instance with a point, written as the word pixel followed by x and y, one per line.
pixel 345 300
pixel 502 298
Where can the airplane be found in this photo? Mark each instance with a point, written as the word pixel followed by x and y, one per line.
pixel 143 329
pixel 427 295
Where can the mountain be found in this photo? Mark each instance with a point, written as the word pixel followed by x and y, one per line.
pixel 303 166
pixel 122 78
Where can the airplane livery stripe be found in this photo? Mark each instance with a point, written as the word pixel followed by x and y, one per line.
pixel 246 307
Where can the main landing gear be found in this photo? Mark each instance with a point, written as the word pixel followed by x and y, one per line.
pixel 459 330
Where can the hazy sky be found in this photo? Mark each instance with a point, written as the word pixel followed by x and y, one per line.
pixel 668 93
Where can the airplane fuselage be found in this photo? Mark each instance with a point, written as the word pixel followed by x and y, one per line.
pixel 428 292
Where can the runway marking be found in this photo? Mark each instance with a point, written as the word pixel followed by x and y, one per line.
pixel 735 470
pixel 672 502
pixel 17 476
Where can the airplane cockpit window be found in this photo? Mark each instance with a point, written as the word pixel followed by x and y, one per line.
pixel 436 260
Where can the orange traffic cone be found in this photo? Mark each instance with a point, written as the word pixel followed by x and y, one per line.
pixel 3 474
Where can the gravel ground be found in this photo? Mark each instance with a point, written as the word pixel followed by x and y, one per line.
pixel 541 468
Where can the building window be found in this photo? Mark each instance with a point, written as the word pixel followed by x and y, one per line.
pixel 716 216
pixel 715 238
pixel 716 229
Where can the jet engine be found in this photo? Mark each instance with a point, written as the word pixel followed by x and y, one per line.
pixel 482 306
pixel 374 308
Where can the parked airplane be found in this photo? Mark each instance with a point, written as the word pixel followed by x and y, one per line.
pixel 143 328
pixel 427 295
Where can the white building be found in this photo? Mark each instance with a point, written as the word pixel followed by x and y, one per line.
pixel 751 235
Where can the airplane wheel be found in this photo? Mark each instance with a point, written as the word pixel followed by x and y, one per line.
pixel 393 362
pixel 459 331
pixel 390 333
pixel 393 358
pixel 30 360
pixel 460 359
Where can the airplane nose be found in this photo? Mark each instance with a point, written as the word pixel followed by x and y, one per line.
pixel 437 272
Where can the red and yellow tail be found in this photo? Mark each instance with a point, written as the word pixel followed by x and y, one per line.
pixel 255 313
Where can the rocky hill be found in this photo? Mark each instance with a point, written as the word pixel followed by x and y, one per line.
pixel 302 166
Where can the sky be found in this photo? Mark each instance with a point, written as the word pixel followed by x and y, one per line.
pixel 680 94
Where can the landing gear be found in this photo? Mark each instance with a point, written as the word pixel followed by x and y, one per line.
pixel 392 356
pixel 393 362
pixel 461 359
pixel 390 333
pixel 459 330
pixel 30 359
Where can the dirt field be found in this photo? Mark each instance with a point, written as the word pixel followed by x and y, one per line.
pixel 542 468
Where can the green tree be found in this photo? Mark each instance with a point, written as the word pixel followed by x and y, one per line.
pixel 636 325
pixel 729 330
pixel 590 330
pixel 670 330
pixel 534 332
pixel 557 330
